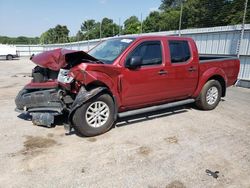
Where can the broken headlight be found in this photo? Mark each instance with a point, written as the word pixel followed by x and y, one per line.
pixel 64 77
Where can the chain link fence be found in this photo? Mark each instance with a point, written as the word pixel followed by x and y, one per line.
pixel 223 40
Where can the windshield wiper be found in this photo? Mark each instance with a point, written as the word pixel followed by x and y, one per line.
pixel 91 61
pixel 99 62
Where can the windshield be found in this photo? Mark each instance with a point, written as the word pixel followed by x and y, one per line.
pixel 109 50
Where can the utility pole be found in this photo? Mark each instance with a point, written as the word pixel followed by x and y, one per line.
pixel 141 23
pixel 119 26
pixel 101 30
pixel 180 19
pixel 242 36
pixel 242 30
pixel 78 40
pixel 88 35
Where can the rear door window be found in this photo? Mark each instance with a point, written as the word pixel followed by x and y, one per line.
pixel 179 51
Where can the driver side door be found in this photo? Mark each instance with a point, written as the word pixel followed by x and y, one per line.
pixel 145 85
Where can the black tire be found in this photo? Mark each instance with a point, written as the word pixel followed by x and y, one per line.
pixel 18 99
pixel 202 102
pixel 81 123
pixel 9 57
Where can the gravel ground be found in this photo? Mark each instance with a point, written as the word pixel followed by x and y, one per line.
pixel 170 148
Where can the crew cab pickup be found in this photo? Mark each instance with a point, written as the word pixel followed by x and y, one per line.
pixel 123 76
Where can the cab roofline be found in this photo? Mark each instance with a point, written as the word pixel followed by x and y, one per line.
pixel 145 36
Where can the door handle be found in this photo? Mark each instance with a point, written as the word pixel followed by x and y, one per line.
pixel 162 72
pixel 191 69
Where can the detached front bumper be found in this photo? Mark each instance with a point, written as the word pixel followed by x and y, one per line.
pixel 43 105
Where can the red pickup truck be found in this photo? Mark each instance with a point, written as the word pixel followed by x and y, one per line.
pixel 123 76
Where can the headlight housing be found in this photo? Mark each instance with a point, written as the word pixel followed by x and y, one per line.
pixel 64 77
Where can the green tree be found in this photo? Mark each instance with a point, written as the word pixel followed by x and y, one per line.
pixel 132 25
pixel 170 20
pixel 234 11
pixel 79 36
pixel 58 34
pixel 19 40
pixel 170 11
pixel 204 13
pixel 48 37
pixel 62 33
pixel 152 22
pixel 208 13
pixel 169 4
pixel 109 28
pixel 7 40
pixel 22 40
pixel 89 30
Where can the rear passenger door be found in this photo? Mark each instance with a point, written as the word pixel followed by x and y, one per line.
pixel 182 69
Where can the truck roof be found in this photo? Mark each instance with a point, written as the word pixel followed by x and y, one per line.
pixel 146 36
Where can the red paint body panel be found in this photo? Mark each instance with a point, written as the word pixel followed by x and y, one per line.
pixel 145 86
pixel 42 85
pixel 106 74
pixel 227 69
pixel 54 59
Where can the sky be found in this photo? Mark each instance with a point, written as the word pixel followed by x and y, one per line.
pixel 33 17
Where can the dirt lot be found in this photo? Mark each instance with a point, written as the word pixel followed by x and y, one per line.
pixel 171 148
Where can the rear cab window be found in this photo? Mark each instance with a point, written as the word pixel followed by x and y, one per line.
pixel 179 51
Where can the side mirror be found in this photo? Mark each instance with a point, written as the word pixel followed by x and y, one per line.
pixel 134 62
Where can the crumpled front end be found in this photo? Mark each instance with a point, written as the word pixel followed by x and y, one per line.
pixel 55 85
pixel 44 100
pixel 42 105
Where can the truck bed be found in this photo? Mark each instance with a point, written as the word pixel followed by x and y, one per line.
pixel 203 58
pixel 226 63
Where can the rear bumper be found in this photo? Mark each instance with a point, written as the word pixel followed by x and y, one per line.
pixel 39 101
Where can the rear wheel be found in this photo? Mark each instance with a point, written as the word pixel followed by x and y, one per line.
pixel 9 57
pixel 96 116
pixel 210 95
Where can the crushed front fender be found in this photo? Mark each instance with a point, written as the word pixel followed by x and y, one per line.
pixel 82 97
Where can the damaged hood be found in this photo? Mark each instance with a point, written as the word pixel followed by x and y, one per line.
pixel 60 58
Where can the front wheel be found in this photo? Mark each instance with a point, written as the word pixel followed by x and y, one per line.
pixel 96 116
pixel 210 95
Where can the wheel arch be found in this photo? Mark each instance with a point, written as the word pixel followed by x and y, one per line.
pixel 212 73
pixel 88 92
pixel 95 84
pixel 9 55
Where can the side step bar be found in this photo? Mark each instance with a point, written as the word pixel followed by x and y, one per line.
pixel 155 108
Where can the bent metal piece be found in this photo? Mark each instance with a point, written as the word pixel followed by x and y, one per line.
pixel 45 119
pixel 41 105
pixel 37 101
pixel 82 97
